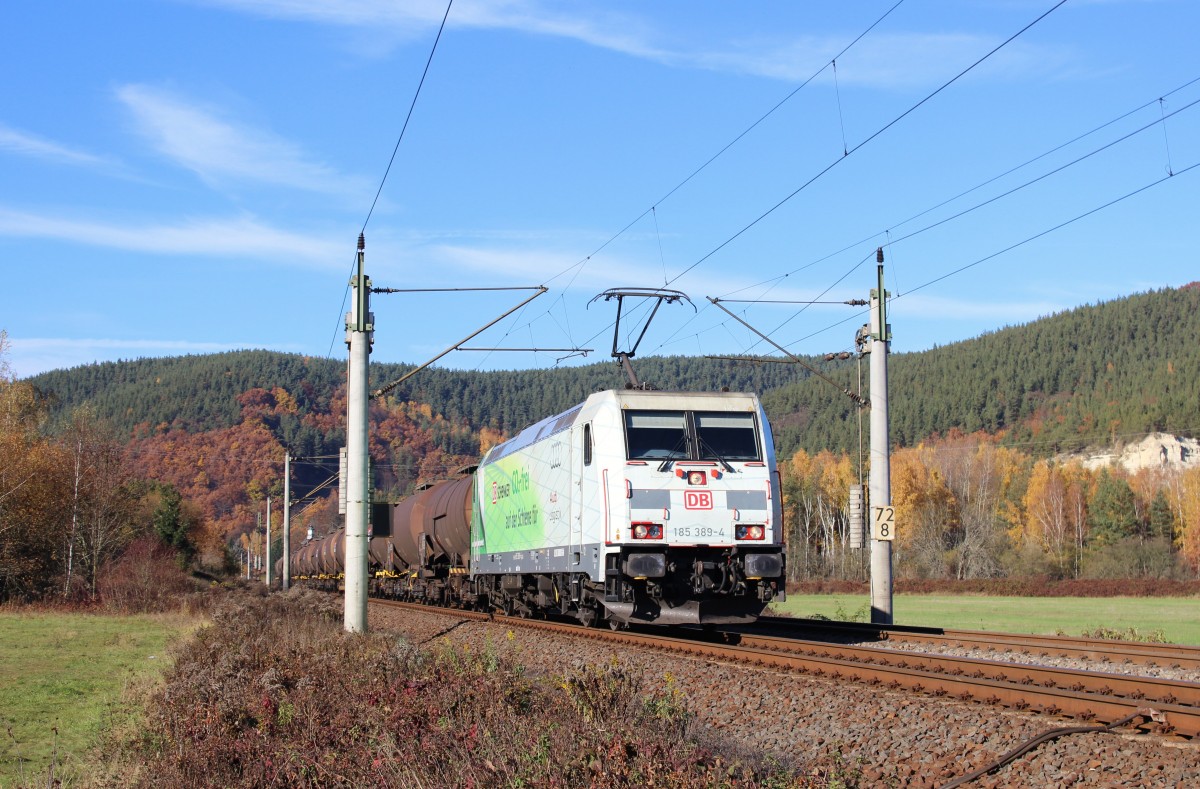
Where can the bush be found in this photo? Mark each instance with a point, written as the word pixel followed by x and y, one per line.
pixel 1129 634
pixel 147 578
pixel 1150 559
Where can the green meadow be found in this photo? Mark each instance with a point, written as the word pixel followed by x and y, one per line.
pixel 1177 617
pixel 70 672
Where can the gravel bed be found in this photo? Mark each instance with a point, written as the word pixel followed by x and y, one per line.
pixel 893 738
pixel 1029 659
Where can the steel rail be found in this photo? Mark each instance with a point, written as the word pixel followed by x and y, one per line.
pixel 1179 656
pixel 1139 688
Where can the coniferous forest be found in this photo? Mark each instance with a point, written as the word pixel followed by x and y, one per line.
pixel 979 429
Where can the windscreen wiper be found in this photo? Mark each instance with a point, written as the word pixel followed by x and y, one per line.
pixel 666 464
pixel 705 445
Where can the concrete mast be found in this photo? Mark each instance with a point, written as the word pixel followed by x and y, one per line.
pixel 287 521
pixel 880 481
pixel 359 331
pixel 267 577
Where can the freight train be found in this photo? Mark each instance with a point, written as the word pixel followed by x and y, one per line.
pixel 634 506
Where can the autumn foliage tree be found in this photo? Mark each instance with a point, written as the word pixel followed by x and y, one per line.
pixel 70 506
pixel 1189 518
pixel 103 500
pixel 1055 522
pixel 925 513
pixel 968 507
pixel 32 482
pixel 816 497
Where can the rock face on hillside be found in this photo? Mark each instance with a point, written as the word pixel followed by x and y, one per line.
pixel 1155 450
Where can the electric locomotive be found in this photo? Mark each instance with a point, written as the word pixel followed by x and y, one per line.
pixel 635 506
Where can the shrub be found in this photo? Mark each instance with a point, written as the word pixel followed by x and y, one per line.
pixel 1129 634
pixel 1148 559
pixel 147 578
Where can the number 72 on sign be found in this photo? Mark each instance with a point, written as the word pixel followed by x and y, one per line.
pixel 883 523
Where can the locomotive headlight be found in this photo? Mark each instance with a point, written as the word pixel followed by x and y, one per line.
pixel 646 531
pixel 751 532
pixel 696 478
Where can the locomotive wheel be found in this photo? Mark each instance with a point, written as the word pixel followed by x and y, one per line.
pixel 586 616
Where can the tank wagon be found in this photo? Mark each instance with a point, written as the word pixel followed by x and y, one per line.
pixel 633 506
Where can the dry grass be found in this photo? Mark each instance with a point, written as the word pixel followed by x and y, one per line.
pixel 275 694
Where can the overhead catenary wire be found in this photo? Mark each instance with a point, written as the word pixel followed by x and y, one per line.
pixel 902 237
pixel 1009 248
pixel 730 144
pixel 855 396
pixel 1166 140
pixel 813 179
pixel 866 141
pixel 893 242
pixel 1043 176
pixel 652 210
pixel 1018 188
pixel 859 315
pixel 391 160
pixel 887 232
pixel 578 267
pixel 1059 226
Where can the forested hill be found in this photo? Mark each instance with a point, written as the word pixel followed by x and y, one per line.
pixel 1119 368
pixel 199 393
pixel 1088 376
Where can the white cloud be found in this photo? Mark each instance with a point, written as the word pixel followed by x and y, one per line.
pixel 39 148
pixel 556 268
pixel 563 272
pixel 888 60
pixel 407 19
pixel 221 151
pixel 242 238
pixel 895 60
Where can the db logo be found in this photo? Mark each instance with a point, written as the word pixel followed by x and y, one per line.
pixel 697 500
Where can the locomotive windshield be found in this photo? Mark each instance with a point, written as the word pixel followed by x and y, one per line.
pixel 726 436
pixel 657 435
pixel 689 435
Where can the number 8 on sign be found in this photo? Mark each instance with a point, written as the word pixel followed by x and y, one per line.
pixel 883 523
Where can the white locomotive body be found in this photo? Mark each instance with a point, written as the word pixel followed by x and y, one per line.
pixel 635 506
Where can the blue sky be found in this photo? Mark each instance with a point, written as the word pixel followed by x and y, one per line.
pixel 190 176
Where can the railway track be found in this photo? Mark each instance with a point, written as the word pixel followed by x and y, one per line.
pixel 1165 707
pixel 1177 656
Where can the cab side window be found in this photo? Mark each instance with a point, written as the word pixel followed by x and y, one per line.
pixel 587 444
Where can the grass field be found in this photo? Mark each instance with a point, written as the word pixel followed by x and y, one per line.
pixel 69 671
pixel 1177 617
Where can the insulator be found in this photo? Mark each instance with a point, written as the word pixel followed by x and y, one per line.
pixel 879 255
